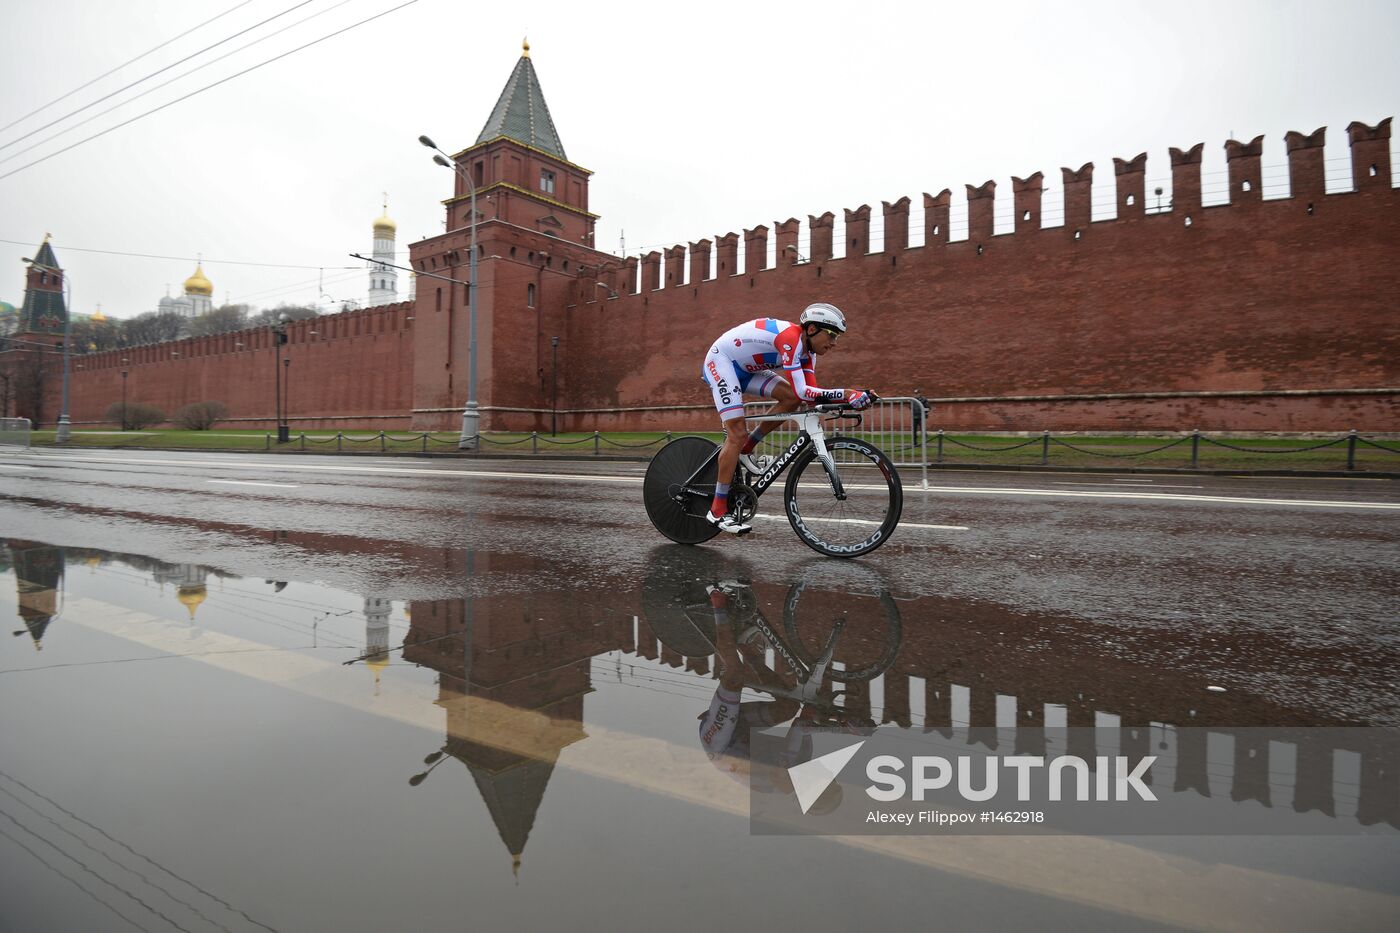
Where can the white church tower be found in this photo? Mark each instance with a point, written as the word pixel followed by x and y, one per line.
pixel 383 278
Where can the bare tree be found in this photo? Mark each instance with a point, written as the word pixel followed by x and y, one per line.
pixel 222 320
pixel 155 327
pixel 282 313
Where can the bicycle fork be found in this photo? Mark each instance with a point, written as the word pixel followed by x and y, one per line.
pixel 829 464
pixel 811 687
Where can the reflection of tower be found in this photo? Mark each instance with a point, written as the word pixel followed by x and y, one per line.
pixel 514 671
pixel 377 636
pixel 190 587
pixel 38 580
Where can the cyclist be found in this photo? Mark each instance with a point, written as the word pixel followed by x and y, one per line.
pixel 771 359
pixel 726 728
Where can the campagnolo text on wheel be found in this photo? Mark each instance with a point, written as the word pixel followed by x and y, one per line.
pixel 842 495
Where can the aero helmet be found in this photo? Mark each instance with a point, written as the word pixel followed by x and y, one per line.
pixel 824 315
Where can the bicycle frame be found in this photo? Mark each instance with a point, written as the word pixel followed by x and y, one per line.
pixel 809 676
pixel 809 679
pixel 810 432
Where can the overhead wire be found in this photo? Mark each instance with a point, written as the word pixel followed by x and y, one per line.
pixel 202 259
pixel 207 87
pixel 42 861
pixel 129 61
pixel 96 851
pixel 158 71
pixel 157 865
pixel 180 77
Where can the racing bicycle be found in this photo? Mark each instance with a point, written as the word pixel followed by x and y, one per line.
pixel 853 610
pixel 843 496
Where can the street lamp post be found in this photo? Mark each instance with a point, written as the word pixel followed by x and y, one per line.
pixel 64 429
pixel 471 416
pixel 279 337
pixel 287 395
pixel 124 418
pixel 554 394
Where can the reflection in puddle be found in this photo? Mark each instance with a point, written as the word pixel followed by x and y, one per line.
pixel 658 683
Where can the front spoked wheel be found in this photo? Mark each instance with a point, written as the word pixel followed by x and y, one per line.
pixel 852 512
pixel 852 601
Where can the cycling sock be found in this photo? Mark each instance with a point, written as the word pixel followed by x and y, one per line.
pixel 721 504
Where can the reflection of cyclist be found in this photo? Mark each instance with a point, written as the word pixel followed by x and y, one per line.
pixel 770 359
pixel 726 728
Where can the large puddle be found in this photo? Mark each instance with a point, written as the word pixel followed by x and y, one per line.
pixel 191 749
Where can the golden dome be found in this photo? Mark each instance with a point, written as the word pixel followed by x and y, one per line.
pixel 197 284
pixel 191 597
pixel 98 317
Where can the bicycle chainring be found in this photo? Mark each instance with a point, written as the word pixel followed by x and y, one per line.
pixel 743 502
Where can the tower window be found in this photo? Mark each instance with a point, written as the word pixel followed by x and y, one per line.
pixel 546 181
pixel 530 295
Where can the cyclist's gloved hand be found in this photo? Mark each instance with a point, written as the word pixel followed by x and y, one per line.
pixel 859 398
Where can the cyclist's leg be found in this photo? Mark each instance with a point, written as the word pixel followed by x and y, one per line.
pixel 780 390
pixel 727 386
pixel 734 436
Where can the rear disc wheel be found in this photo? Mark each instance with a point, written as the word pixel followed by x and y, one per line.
pixel 683 522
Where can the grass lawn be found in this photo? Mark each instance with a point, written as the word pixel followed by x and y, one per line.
pixel 1166 452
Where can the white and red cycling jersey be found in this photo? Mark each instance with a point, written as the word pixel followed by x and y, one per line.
pixel 750 357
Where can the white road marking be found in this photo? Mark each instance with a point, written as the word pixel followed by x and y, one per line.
pixel 860 521
pixel 240 482
pixel 1129 483
pixel 586 478
pixel 15 466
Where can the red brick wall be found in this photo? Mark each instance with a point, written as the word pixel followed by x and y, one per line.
pixel 1260 315
pixel 1255 296
pixel 355 371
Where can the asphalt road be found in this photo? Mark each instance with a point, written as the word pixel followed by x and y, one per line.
pixel 1050 598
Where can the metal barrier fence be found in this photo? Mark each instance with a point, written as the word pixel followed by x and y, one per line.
pixel 1045 442
pixel 895 425
pixel 14 432
pixel 898 426
pixel 427 441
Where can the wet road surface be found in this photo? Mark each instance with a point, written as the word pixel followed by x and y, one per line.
pixel 306 693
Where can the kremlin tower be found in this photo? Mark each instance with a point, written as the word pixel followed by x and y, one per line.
pixel 383 277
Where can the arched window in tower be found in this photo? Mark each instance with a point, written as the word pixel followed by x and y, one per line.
pixel 530 295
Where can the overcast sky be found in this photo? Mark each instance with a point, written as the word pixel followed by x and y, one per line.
pixel 698 119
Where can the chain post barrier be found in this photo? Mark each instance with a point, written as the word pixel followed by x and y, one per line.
pixel 597 443
pixel 940 445
pixel 1045 449
pixel 534 443
pixel 1196 449
pixel 1351 449
pixel 383 445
